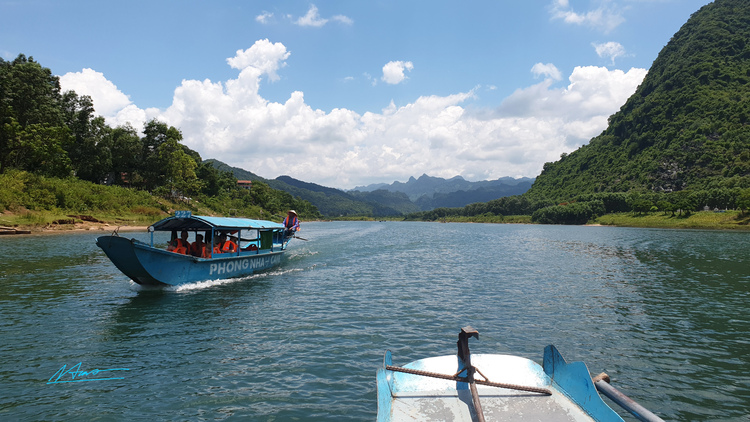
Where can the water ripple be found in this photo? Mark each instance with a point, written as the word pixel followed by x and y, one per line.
pixel 664 312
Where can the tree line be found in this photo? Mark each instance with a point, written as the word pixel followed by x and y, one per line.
pixel 55 134
pixel 586 207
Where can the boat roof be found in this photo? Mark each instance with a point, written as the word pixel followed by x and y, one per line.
pixel 200 222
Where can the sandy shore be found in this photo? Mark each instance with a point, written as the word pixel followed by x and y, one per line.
pixel 78 228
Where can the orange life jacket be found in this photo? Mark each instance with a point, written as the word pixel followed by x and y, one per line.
pixel 229 246
pixel 181 247
pixel 199 250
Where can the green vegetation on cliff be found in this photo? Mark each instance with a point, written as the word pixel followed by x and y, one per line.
pixel 679 145
pixel 687 127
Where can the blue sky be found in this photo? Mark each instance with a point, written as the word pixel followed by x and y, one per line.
pixel 348 93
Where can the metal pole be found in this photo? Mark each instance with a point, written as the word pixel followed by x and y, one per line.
pixel 465 355
pixel 626 402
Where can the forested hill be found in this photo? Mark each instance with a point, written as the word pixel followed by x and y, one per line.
pixel 687 127
pixel 329 201
pixel 389 200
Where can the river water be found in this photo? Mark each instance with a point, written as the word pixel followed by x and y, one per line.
pixel 663 312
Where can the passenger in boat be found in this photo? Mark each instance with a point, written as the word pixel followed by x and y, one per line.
pixel 199 248
pixel 180 245
pixel 227 245
pixel 217 244
pixel 291 223
pixel 173 241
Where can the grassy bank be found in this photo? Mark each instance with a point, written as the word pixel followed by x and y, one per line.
pixel 728 220
pixel 37 203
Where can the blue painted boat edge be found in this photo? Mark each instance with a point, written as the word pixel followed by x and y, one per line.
pixel 121 252
pixel 574 380
pixel 385 395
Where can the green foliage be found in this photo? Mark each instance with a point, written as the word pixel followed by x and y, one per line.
pixel 36 147
pixel 686 127
pixel 21 189
pixel 29 93
pixel 574 213
pixel 52 147
pixel 743 200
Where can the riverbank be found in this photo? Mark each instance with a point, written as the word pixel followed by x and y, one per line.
pixel 35 223
pixel 709 220
pixel 28 222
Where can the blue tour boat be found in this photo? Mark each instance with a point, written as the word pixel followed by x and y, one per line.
pixel 261 244
pixel 472 387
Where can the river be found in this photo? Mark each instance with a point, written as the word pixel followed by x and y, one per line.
pixel 663 312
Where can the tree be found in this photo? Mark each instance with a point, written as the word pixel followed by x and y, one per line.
pixel 743 201
pixel 90 152
pixel 164 160
pixel 29 111
pixel 684 202
pixel 29 93
pixel 38 148
pixel 177 170
pixel 126 149
pixel 666 206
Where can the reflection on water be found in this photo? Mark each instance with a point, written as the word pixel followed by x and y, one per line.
pixel 663 312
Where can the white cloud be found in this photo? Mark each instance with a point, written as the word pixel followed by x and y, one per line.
pixel 605 17
pixel 393 72
pixel 343 19
pixel 611 50
pixel 581 109
pixel 313 18
pixel 264 17
pixel 263 56
pixel 105 95
pixel 547 70
pixel 232 122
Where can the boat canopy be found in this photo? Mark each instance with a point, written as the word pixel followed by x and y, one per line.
pixel 197 222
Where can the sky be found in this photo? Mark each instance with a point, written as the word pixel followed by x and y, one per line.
pixel 347 93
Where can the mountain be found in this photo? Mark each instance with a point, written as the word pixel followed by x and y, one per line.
pixel 331 201
pixel 435 192
pixel 687 126
pixel 336 202
pixel 388 200
pixel 238 173
pixel 462 198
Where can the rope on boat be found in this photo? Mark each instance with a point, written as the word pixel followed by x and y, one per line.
pixel 463 379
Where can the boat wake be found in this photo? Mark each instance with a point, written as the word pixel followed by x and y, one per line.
pixel 207 284
pixel 297 254
pixel 200 285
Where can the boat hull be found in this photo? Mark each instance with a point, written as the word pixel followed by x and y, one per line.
pixel 150 266
pixel 409 397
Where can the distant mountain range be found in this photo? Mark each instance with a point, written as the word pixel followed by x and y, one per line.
pixel 429 193
pixel 382 200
